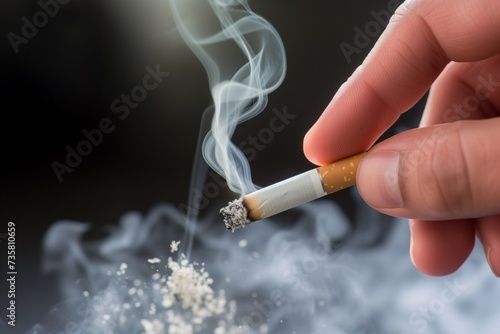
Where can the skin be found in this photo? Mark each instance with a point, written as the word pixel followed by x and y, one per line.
pixel 445 175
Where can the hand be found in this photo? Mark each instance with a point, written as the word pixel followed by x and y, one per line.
pixel 445 175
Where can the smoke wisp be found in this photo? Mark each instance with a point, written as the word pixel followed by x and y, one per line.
pixel 244 58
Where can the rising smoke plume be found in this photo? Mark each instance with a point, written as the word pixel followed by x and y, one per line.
pixel 244 58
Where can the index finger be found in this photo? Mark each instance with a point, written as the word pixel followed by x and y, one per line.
pixel 421 38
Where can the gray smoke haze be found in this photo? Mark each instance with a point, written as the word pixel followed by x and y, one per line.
pixel 286 276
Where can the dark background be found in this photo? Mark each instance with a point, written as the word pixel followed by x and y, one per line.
pixel 64 80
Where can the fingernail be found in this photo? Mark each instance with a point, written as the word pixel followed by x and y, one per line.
pixel 411 251
pixel 411 242
pixel 493 265
pixel 378 179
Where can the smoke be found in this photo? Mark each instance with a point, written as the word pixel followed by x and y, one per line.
pixel 244 58
pixel 291 274
pixel 277 280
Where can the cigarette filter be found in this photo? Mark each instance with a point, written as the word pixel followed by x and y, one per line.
pixel 291 192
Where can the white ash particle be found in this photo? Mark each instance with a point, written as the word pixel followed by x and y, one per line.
pixel 154 260
pixel 175 298
pixel 243 243
pixel 235 215
pixel 152 327
pixel 174 246
pixel 188 285
pixel 193 291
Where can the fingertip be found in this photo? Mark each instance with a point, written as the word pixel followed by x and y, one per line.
pixel 441 247
pixel 493 258
pixel 488 231
pixel 312 149
pixel 306 146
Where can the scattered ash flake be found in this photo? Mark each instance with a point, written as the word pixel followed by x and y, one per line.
pixel 228 280
pixel 154 260
pixel 174 246
pixel 175 298
pixel 192 289
pixel 243 243
pixel 264 329
pixel 153 327
pixel 122 270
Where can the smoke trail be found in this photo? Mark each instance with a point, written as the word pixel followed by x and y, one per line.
pixel 239 89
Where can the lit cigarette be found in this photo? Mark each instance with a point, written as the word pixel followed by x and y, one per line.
pixel 291 192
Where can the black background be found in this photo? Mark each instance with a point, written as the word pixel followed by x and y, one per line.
pixel 64 80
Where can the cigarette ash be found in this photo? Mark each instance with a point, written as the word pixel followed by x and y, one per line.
pixel 235 215
pixel 188 285
pixel 155 297
pixel 174 246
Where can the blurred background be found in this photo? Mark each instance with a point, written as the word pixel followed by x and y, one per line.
pixel 63 80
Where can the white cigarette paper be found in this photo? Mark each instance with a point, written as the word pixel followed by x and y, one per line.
pixel 291 192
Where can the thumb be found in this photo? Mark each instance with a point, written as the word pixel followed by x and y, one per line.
pixel 441 172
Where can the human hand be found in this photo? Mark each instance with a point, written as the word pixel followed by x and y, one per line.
pixel 445 175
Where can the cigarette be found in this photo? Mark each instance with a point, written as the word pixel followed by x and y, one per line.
pixel 291 192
